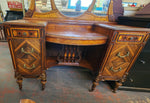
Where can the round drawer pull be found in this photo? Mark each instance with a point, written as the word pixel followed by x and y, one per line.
pixel 115 70
pixel 131 38
pixel 123 55
pixel 29 68
pixel 24 33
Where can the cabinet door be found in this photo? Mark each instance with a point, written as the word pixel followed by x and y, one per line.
pixel 28 56
pixel 119 60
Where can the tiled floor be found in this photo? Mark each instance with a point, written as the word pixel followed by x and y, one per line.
pixel 64 85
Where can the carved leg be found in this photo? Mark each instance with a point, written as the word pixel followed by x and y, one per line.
pixel 95 83
pixel 43 80
pixel 19 81
pixel 117 84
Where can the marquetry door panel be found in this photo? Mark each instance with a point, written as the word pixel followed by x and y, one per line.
pixel 119 60
pixel 28 56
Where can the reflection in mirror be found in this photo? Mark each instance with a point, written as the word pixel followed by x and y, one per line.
pixel 27 4
pixel 43 5
pixel 101 7
pixel 72 8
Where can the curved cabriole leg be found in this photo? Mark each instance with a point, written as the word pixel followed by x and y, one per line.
pixel 43 80
pixel 19 81
pixel 117 85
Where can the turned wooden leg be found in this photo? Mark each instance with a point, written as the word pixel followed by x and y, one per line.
pixel 117 85
pixel 93 86
pixel 43 80
pixel 95 83
pixel 19 81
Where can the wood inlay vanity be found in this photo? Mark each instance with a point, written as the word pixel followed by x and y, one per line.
pixel 43 40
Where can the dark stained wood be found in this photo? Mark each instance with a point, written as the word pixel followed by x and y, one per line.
pixel 122 50
pixel 43 40
pixel 76 38
pixel 27 50
pixel 27 23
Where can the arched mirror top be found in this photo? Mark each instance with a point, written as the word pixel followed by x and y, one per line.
pixel 72 8
pixel 91 10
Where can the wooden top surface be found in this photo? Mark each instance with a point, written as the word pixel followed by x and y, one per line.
pixel 123 27
pixel 26 22
pixel 76 37
pixel 86 35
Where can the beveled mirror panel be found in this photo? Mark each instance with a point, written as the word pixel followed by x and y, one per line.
pixel 101 7
pixel 43 5
pixel 72 8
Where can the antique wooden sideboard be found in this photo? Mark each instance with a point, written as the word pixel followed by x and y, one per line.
pixel 43 40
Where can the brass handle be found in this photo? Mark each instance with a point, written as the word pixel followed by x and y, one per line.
pixel 29 68
pixel 24 33
pixel 22 50
pixel 115 70
pixel 123 55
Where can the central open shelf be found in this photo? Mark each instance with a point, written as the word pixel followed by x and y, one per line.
pixel 69 55
pixel 52 61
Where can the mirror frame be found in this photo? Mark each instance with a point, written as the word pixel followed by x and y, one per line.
pixel 56 14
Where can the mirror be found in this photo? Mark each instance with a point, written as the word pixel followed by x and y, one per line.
pixel 101 7
pixel 43 6
pixel 72 8
pixel 27 4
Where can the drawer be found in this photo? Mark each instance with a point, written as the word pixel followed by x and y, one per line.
pixel 119 59
pixel 28 56
pixel 115 69
pixel 123 53
pixel 29 69
pixel 25 32
pixel 129 38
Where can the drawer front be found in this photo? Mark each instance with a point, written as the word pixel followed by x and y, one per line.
pixel 25 32
pixel 28 56
pixel 119 59
pixel 115 69
pixel 123 37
